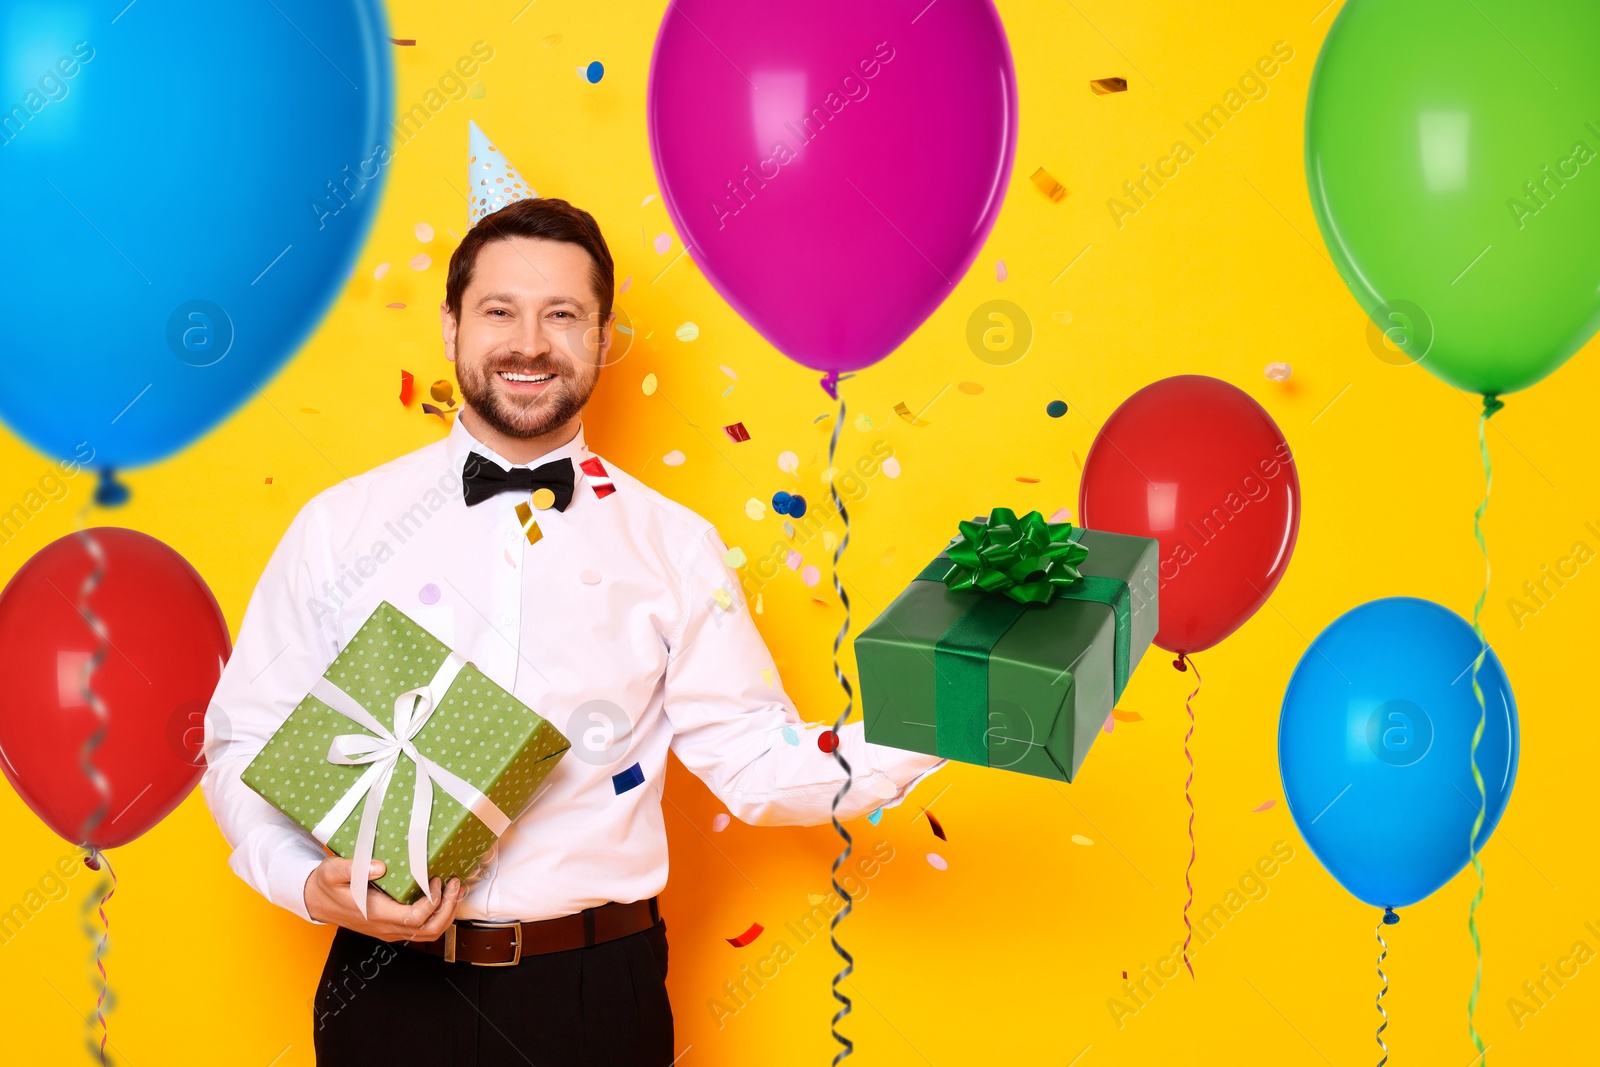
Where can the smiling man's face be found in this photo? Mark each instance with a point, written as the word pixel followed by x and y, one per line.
pixel 529 343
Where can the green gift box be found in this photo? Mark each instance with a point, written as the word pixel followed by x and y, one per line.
pixel 397 702
pixel 1011 648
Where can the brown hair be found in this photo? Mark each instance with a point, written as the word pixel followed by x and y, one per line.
pixel 546 217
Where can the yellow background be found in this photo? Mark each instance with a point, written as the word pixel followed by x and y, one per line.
pixel 1012 953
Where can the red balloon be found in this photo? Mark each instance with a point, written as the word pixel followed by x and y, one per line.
pixel 165 642
pixel 1201 467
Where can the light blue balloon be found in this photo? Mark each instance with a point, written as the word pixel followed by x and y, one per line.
pixel 1374 744
pixel 184 188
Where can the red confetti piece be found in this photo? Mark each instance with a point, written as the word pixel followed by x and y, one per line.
pixel 403 42
pixel 1264 805
pixel 937 827
pixel 269 479
pixel 1028 481
pixel 745 938
pixel 406 385
pixel 736 432
pixel 827 740
pixel 1124 974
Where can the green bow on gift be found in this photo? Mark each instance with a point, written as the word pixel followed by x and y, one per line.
pixel 1028 559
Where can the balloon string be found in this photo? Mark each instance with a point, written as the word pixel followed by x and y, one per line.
pixel 1383 954
pixel 102 785
pixel 1491 404
pixel 92 860
pixel 1184 663
pixel 838 754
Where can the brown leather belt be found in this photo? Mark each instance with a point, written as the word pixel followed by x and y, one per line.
pixel 504 944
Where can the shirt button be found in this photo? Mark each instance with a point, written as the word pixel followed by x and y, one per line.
pixel 506 619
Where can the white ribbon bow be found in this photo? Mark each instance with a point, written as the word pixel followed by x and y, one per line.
pixel 381 751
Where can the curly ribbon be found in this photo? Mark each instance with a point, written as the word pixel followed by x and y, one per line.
pixel 1027 559
pixel 838 754
pixel 101 784
pixel 1184 663
pixel 1389 917
pixel 1491 404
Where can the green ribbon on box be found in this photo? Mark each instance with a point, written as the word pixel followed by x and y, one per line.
pixel 1015 564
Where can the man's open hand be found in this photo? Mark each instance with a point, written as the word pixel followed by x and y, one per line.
pixel 328 899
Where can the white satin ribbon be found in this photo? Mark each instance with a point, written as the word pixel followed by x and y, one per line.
pixel 381 750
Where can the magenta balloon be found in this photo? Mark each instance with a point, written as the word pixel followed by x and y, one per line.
pixel 833 166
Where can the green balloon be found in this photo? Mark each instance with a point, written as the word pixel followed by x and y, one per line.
pixel 1453 159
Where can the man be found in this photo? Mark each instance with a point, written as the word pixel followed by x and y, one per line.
pixel 610 611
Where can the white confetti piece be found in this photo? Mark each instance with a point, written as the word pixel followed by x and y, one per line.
pixel 421 261
pixel 688 332
pixel 663 243
pixel 734 557
pixel 649 384
pixel 1079 839
pixel 720 823
pixel 423 231
pixel 937 862
pixel 827 475
pixel 674 458
pixel 891 468
pixel 788 529
pixel 380 271
pixel 811 576
pixel 729 372
pixel 788 462
pixel 1278 372
pixel 646 201
pixel 589 577
pixel 755 509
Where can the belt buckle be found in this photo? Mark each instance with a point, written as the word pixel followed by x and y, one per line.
pixel 516 953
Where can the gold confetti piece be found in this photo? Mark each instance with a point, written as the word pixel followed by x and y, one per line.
pixel 829 541
pixel 766 676
pixel 815 898
pixel 1079 839
pixel 734 557
pixel 1048 185
pixel 442 390
pixel 552 40
pixel 905 413
pixel 310 411
pixel 970 388
pixel 863 422
pixel 755 508
pixel 649 384
pixel 530 529
pixel 760 604
pixel 1127 716
pixel 723 597
pixel 1027 481
pixel 1104 86
pixel 543 499
pixel 688 332
pixel 1078 461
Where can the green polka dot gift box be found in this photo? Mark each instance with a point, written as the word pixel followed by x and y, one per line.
pixel 395 706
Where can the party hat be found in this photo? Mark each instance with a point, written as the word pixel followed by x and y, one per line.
pixel 493 182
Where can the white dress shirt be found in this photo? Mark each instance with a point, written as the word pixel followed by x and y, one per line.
pixel 611 626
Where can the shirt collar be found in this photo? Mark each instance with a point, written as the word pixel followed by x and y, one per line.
pixel 461 441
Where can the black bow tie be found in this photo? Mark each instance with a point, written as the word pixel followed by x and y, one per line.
pixel 482 478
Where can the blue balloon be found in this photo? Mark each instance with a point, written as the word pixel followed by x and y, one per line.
pixel 1374 747
pixel 184 189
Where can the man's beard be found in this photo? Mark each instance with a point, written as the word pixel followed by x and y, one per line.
pixel 560 401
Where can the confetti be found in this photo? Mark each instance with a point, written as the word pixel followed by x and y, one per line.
pixel 1056 408
pixel 506 555
pixel 877 813
pixel 407 387
pixel 269 479
pixel 431 410
pixel 1278 372
pixel 827 740
pixel 688 332
pixel 935 825
pixel 891 468
pixel 1111 722
pixel 827 475
pixel 1127 716
pixel 788 529
pixel 379 271
pixel 552 40
pixel 729 372
pixel 676 459
pixel 1079 839
pixel 736 432
pixel 797 506
pixel 755 509
pixel 594 72
pixel 649 384
pixel 589 577
pixel 970 388
pixel 1027 480
pixel 780 502
pixel 863 422
pixel 442 391
pixel 734 557
pixel 428 594
pixel 1264 805
pixel 759 602
pixel 937 862
pixel 815 898
pixel 477 90
pixel 397 306
pixel 1062 515
pixel 1063 317
pixel 663 243
pixel 625 283
pixel 766 676
pixel 788 462
pixel 629 779
pixel 829 541
pixel 811 576
pixel 530 528
pixel 1000 270
pixel 646 201
pixel 1078 461
pixel 745 938
pixel 310 411
pixel 888 556
pixel 1104 86
pixel 398 41
pixel 720 823
pixel 423 231
pixel 723 598
pixel 905 413
pixel 421 261
pixel 1048 185
pixel 790 736
pixel 793 559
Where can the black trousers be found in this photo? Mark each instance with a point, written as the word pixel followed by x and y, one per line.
pixel 383 1003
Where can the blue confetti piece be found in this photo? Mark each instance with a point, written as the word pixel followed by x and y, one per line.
pixel 780 502
pixel 790 736
pixel 797 506
pixel 628 779
pixel 875 816
pixel 594 72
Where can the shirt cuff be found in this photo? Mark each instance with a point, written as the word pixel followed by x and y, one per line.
pixel 290 864
pixel 895 773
